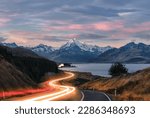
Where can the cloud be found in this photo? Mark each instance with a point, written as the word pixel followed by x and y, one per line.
pixel 96 10
pixel 100 26
pixel 2 38
pixel 4 21
pixel 90 36
pixel 34 21
pixel 145 26
pixel 115 2
pixel 108 26
pixel 143 35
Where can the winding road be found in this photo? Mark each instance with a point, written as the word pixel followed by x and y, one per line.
pixel 65 92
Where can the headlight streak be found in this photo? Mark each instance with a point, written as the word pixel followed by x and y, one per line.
pixel 52 96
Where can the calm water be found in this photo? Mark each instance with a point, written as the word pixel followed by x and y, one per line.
pixel 102 69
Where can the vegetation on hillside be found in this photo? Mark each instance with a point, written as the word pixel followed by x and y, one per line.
pixel 34 66
pixel 135 86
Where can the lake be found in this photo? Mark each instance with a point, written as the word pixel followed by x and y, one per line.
pixel 102 69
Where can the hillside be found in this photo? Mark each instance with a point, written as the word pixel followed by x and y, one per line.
pixel 135 86
pixel 130 53
pixel 11 78
pixel 28 62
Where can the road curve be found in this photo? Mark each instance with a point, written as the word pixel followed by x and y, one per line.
pixel 95 96
pixel 63 90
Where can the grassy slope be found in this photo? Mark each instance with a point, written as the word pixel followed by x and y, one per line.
pixel 134 86
pixel 11 78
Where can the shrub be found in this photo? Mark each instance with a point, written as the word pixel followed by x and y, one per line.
pixel 118 69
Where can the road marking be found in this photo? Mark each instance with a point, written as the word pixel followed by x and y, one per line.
pixel 109 99
pixel 106 96
pixel 82 96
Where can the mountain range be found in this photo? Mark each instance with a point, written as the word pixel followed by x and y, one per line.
pixel 75 51
pixel 130 53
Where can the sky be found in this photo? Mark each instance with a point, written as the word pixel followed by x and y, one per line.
pixel 54 22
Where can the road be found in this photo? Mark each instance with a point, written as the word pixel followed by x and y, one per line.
pixel 90 95
pixel 64 92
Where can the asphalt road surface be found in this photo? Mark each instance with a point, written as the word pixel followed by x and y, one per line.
pixel 89 95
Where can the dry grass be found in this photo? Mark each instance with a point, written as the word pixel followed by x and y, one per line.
pixel 134 86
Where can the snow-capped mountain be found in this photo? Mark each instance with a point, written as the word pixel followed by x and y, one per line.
pixel 42 48
pixel 11 45
pixel 76 51
pixel 72 51
pixel 129 53
pixel 84 47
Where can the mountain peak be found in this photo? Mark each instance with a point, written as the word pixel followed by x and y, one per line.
pixel 133 45
pixel 12 45
pixel 42 47
pixel 74 43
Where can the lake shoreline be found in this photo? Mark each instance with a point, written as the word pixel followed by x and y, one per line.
pixel 102 69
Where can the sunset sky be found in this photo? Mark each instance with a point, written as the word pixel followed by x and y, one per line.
pixel 54 22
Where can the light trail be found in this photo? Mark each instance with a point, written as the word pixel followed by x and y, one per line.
pixel 52 96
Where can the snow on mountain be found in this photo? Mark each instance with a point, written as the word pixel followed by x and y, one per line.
pixel 84 47
pixel 75 51
pixel 11 45
pixel 43 48
pixel 72 51
pixel 129 53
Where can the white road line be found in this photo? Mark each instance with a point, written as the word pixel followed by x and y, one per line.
pixel 106 96
pixel 82 96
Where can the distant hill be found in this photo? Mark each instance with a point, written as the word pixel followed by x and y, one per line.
pixel 130 53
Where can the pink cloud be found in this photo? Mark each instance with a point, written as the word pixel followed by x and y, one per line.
pixel 109 26
pixel 103 26
pixel 4 21
pixel 66 27
pixel 137 28
pixel 118 26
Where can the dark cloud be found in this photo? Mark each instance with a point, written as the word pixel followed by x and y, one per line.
pixel 95 10
pixel 115 2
